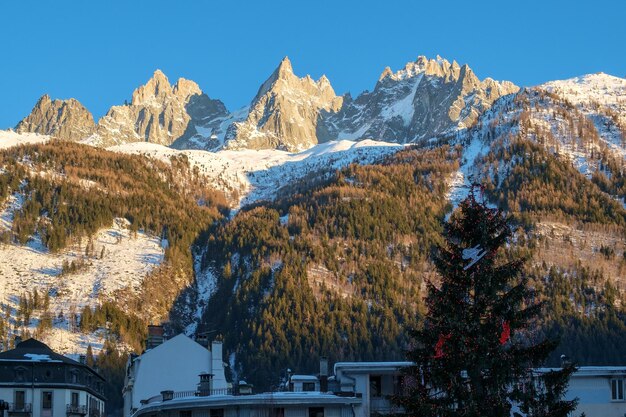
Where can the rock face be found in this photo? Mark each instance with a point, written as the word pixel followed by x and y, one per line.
pixel 180 115
pixel 425 99
pixel 285 112
pixel 64 119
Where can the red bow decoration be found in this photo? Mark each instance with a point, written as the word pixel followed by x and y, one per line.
pixel 439 346
pixel 506 332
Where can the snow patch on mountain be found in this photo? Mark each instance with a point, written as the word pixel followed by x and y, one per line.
pixel 251 175
pixel 461 180
pixel 117 268
pixel 10 138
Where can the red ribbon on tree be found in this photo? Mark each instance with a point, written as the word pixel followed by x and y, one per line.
pixel 506 332
pixel 439 346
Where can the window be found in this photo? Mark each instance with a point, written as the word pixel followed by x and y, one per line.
pixel 316 411
pixel 46 404
pixel 74 399
pixel 375 386
pixel 46 400
pixel 20 375
pixel 617 390
pixel 217 412
pixel 20 400
pixel 308 386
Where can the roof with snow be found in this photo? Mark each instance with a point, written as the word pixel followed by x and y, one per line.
pixel 34 351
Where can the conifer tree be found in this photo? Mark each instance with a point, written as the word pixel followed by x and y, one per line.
pixel 474 355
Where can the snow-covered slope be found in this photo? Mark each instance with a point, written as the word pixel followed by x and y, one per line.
pixel 250 175
pixel 9 138
pixel 115 269
pixel 602 98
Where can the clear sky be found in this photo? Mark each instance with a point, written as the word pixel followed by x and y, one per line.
pixel 99 51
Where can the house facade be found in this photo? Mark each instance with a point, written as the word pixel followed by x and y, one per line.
pixel 175 364
pixel 37 382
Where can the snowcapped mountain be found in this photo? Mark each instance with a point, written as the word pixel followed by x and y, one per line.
pixel 298 129
pixel 425 99
pixel 580 119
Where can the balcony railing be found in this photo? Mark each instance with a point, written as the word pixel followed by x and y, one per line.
pixel 186 394
pixel 76 409
pixel 20 408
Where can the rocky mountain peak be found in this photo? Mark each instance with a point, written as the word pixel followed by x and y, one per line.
pixel 184 89
pixel 284 68
pixel 163 114
pixel 64 119
pixel 426 98
pixel 285 112
pixel 154 91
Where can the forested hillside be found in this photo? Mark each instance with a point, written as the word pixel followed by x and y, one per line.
pixel 67 192
pixel 336 269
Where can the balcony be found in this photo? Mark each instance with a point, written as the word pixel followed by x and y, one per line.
pixel 20 408
pixel 75 409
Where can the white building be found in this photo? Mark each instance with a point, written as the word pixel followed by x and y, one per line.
pixel 37 382
pixel 173 365
pixel 599 389
pixel 364 389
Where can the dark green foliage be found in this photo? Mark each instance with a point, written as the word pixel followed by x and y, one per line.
pixel 118 322
pixel 540 185
pixel 472 353
pixel 584 309
pixel 111 364
pixel 340 278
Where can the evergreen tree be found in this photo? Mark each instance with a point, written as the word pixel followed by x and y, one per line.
pixel 473 355
pixel 90 360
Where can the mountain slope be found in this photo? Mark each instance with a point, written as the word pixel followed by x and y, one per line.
pixel 251 175
pixel 88 226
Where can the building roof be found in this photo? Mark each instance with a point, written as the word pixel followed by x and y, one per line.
pixel 276 399
pixel 32 350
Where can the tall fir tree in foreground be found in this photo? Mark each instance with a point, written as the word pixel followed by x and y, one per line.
pixel 475 353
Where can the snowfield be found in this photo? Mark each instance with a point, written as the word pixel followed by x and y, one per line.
pixel 251 175
pixel 9 138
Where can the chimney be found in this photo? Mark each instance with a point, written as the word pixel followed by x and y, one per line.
pixel 167 395
pixel 82 359
pixel 155 336
pixel 323 374
pixel 217 362
pixel 205 385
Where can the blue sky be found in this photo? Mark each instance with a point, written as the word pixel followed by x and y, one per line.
pixel 99 51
